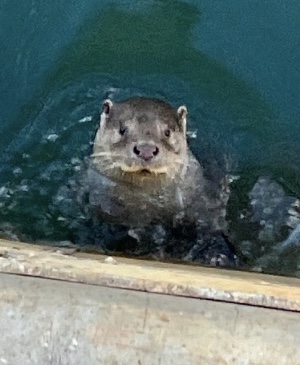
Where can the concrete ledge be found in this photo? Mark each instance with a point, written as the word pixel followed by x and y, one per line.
pixel 52 322
pixel 177 280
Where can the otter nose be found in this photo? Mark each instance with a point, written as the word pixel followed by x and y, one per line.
pixel 146 151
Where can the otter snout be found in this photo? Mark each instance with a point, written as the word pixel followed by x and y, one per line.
pixel 146 151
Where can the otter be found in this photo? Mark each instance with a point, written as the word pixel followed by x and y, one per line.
pixel 142 171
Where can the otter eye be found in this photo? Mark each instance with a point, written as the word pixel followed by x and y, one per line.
pixel 167 133
pixel 122 130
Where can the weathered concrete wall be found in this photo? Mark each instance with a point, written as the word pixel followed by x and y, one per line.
pixel 60 323
pixel 121 311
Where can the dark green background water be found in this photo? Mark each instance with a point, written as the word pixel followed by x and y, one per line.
pixel 234 63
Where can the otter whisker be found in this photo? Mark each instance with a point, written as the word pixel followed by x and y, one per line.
pixel 106 154
pixel 100 154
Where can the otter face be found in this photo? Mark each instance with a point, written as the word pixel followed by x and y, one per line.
pixel 140 138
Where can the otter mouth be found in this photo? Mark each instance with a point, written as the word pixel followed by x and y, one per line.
pixel 144 171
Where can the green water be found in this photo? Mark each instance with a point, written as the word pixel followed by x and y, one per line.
pixel 235 64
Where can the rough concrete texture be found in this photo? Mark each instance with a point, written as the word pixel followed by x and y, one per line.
pixel 48 322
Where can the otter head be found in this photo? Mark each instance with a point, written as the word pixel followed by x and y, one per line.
pixel 141 139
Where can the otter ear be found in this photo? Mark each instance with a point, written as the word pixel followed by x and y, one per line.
pixel 106 106
pixel 106 109
pixel 182 113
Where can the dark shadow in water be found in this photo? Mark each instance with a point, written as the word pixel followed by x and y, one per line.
pixel 159 42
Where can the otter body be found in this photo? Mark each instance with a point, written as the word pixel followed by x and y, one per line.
pixel 142 171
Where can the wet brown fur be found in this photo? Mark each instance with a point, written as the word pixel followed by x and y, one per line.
pixel 137 192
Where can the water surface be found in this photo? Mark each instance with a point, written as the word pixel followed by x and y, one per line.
pixel 235 64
